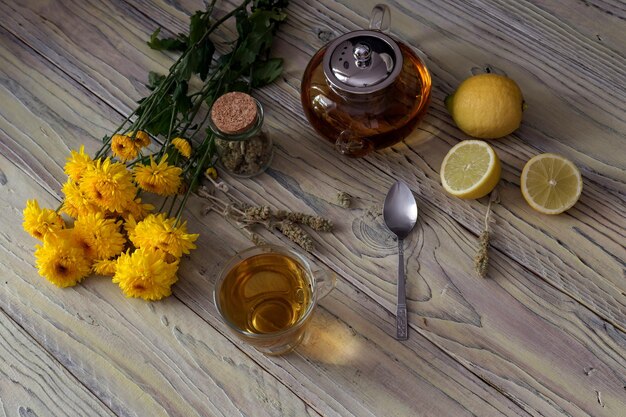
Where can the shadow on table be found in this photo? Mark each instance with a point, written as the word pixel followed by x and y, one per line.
pixel 329 341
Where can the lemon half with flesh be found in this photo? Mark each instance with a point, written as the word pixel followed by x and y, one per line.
pixel 551 183
pixel 471 169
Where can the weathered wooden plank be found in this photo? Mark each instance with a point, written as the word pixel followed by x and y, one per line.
pixel 308 185
pixel 530 400
pixel 33 383
pixel 597 21
pixel 566 251
pixel 423 375
pixel 569 251
pixel 304 180
pixel 505 328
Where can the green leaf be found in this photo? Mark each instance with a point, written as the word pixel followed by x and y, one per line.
pixel 239 85
pixel 206 56
pixel 186 67
pixel 158 122
pixel 245 65
pixel 266 72
pixel 243 24
pixel 197 27
pixel 182 101
pixel 154 79
pixel 167 44
pixel 197 61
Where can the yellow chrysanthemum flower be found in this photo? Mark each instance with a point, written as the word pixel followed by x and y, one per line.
pixel 144 274
pixel 137 209
pixel 60 260
pixel 105 267
pixel 76 202
pixel 38 222
pixel 159 232
pixel 98 236
pixel 162 178
pixel 141 139
pixel 77 163
pixel 124 148
pixel 129 225
pixel 183 146
pixel 109 185
pixel 211 172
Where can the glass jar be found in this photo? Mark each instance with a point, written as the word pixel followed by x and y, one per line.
pixel 247 153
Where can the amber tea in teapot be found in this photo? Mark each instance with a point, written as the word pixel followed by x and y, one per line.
pixel 365 90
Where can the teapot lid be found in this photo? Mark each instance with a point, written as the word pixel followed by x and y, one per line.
pixel 362 62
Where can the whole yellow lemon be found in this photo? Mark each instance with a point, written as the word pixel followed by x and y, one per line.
pixel 487 106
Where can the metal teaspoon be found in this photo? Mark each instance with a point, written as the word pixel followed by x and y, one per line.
pixel 400 214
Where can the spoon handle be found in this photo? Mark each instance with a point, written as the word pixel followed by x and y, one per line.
pixel 401 324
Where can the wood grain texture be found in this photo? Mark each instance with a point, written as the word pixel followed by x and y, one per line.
pixel 529 339
pixel 309 181
pixel 33 383
pixel 584 244
pixel 425 375
pixel 569 251
pixel 138 358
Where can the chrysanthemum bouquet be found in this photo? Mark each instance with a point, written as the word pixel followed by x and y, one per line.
pixel 113 232
pixel 109 230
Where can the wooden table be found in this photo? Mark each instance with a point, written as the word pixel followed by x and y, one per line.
pixel 543 335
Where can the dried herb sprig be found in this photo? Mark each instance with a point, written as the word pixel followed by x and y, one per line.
pixel 481 260
pixel 295 233
pixel 344 199
pixel 246 217
pixel 314 222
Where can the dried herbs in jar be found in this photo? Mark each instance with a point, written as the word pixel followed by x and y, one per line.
pixel 243 146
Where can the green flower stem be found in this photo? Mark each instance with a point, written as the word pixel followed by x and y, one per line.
pixel 196 176
pixel 169 134
pixel 163 204
pixel 172 207
pixel 197 105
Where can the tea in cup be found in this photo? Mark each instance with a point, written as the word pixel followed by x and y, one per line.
pixel 266 296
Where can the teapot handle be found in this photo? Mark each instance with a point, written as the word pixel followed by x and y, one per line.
pixel 348 143
pixel 380 18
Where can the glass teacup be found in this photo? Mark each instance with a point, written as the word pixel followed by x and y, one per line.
pixel 266 295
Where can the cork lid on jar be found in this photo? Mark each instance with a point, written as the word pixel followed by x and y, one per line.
pixel 234 112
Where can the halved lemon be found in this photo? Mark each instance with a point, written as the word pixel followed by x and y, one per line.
pixel 471 169
pixel 551 183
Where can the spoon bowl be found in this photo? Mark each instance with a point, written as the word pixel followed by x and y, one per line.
pixel 400 210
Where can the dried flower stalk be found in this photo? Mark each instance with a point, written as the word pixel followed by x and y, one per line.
pixel 246 217
pixel 314 222
pixel 481 260
pixel 295 233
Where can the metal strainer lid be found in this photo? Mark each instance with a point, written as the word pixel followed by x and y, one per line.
pixel 362 62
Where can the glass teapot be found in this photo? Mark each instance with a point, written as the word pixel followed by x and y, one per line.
pixel 365 90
